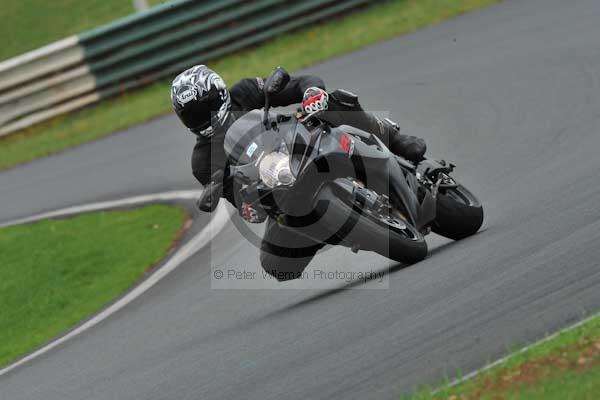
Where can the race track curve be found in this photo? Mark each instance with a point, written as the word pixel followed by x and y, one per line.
pixel 510 93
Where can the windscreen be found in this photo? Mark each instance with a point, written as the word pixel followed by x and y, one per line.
pixel 244 140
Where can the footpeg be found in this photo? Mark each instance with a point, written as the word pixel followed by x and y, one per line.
pixel 426 213
pixel 435 167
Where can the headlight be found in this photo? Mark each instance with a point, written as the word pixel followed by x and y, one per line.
pixel 274 170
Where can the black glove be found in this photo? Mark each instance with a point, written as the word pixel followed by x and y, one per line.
pixel 209 199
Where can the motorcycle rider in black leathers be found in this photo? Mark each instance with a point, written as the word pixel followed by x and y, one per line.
pixel 207 108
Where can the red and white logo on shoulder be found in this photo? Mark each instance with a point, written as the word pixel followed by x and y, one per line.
pixel 315 99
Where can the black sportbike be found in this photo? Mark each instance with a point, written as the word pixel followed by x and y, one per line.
pixel 341 185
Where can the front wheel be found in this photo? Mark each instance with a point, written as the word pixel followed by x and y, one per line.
pixel 458 213
pixel 386 234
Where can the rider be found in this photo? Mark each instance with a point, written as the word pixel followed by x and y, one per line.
pixel 207 108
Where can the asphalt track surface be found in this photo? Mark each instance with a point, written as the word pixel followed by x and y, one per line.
pixel 511 93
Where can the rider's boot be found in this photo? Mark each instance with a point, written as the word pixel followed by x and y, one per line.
pixel 410 147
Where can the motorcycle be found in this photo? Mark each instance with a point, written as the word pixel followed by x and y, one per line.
pixel 340 185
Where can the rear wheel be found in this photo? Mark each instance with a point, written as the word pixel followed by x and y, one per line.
pixel 458 213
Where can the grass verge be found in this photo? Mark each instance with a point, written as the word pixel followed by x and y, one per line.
pixel 55 273
pixel 564 367
pixel 29 24
pixel 295 50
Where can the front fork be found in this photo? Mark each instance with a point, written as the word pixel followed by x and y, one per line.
pixel 432 176
pixel 402 192
pixel 419 187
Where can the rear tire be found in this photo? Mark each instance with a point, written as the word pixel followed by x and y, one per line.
pixel 458 214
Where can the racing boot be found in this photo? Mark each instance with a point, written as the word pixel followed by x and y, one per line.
pixel 410 147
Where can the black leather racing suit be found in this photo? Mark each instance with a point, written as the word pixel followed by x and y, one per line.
pixel 277 255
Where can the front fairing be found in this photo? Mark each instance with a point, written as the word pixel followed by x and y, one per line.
pixel 318 154
pixel 247 141
pixel 347 152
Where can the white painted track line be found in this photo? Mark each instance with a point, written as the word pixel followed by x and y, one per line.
pixel 216 224
pixel 502 360
pixel 104 205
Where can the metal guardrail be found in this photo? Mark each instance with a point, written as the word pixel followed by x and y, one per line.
pixel 141 48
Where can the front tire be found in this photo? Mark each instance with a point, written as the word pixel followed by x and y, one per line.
pixel 387 235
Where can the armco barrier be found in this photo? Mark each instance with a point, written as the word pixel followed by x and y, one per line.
pixel 138 49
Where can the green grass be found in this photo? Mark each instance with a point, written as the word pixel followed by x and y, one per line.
pixel 565 367
pixel 153 3
pixel 294 51
pixel 29 24
pixel 55 273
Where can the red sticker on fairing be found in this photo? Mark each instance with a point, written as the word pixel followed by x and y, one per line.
pixel 346 143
